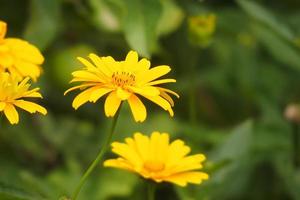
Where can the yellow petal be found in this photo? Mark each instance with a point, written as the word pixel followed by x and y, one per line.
pixel 28 69
pixel 105 69
pixel 112 104
pixel 152 74
pixel 161 81
pixel 30 107
pixel 86 63
pixel 11 114
pixel 82 98
pixel 132 58
pixel 2 106
pixel 118 163
pixel 142 145
pixel 145 90
pixel 161 102
pixel 25 51
pixel 128 153
pixel 188 177
pixel 98 93
pixel 82 86
pixel 138 109
pixel 3 28
pixel 123 94
pixel 88 76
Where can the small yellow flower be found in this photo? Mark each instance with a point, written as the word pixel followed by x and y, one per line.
pixel 122 81
pixel 18 56
pixel 202 28
pixel 12 93
pixel 154 158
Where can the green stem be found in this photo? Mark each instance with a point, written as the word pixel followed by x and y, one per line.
pixel 151 190
pixel 296 144
pixel 99 156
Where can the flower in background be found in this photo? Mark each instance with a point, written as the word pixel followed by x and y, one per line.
pixel 123 81
pixel 157 159
pixel 201 29
pixel 18 56
pixel 12 93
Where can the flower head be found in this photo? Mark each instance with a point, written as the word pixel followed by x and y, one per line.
pixel 123 81
pixel 157 159
pixel 12 93
pixel 202 28
pixel 18 56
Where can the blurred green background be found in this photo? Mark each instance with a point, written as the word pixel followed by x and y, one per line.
pixel 235 84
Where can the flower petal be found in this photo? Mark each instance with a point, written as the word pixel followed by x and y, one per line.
pixel 112 104
pixel 152 74
pixel 30 107
pixel 11 113
pixel 138 109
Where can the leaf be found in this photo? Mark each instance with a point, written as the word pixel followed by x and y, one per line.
pixel 12 193
pixel 140 25
pixel 43 22
pixel 280 49
pixel 170 11
pixel 107 14
pixel 237 144
pixel 264 16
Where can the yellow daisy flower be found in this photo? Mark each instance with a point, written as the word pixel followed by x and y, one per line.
pixel 155 158
pixel 123 81
pixel 18 56
pixel 12 93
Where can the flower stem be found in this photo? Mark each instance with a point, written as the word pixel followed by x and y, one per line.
pixel 296 144
pixel 99 156
pixel 150 190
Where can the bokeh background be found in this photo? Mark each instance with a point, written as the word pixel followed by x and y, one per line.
pixel 236 75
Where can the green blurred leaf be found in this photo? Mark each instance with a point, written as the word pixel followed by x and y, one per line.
pixel 170 11
pixel 140 25
pixel 263 15
pixel 107 14
pixel 279 49
pixel 13 193
pixel 43 23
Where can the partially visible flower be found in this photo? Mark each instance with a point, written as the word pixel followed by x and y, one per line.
pixel 157 159
pixel 201 29
pixel 292 113
pixel 18 56
pixel 12 93
pixel 123 81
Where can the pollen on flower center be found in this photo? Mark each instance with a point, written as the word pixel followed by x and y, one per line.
pixel 154 166
pixel 123 78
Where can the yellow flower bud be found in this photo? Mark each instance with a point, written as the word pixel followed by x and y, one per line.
pixel 201 29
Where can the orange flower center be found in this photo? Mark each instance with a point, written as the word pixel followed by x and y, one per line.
pixel 154 166
pixel 123 78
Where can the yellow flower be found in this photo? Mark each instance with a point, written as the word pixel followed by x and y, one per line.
pixel 12 93
pixel 154 158
pixel 18 56
pixel 122 81
pixel 201 29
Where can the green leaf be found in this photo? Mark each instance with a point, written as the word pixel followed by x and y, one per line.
pixel 237 144
pixel 264 16
pixel 107 14
pixel 170 11
pixel 13 193
pixel 140 25
pixel 43 22
pixel 278 48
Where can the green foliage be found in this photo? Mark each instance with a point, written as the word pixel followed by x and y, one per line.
pixel 233 94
